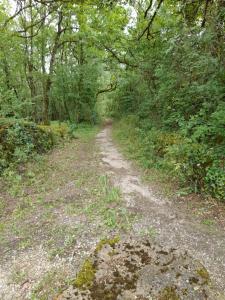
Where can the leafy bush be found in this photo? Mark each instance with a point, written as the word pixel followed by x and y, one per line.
pixel 58 130
pixel 10 105
pixel 215 181
pixel 190 161
pixel 20 140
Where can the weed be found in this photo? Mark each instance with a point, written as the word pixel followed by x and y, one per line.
pixel 69 240
pixel 113 195
pixel 24 244
pixel 2 205
pixel 150 231
pixel 50 285
pixel 110 218
pixel 183 192
pixel 208 222
pixel 18 275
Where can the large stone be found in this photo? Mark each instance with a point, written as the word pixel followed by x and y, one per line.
pixel 134 269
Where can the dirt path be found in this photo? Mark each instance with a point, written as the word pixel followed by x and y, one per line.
pixel 51 219
pixel 80 193
pixel 160 217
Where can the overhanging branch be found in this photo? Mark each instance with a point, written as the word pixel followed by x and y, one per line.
pixel 110 88
pixel 147 29
pixel 121 60
pixel 148 8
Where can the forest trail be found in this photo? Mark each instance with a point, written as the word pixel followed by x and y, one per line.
pixel 169 226
pixel 81 193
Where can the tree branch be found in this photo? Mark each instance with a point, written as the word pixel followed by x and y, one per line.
pixel 118 58
pixel 67 41
pixel 147 29
pixel 205 13
pixel 110 88
pixel 16 14
pixel 29 36
pixel 148 8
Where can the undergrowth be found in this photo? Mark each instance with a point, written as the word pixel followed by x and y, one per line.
pixel 195 165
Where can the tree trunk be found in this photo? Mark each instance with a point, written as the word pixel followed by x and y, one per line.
pixel 9 85
pixel 46 90
pixel 48 82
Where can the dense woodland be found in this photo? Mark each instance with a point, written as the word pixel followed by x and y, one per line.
pixel 156 67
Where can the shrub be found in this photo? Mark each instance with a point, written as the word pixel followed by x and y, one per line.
pixel 20 140
pixel 60 130
pixel 190 161
pixel 215 182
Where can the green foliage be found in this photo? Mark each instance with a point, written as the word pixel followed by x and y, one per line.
pixel 190 161
pixel 215 182
pixel 74 93
pixel 20 140
pixel 57 130
pixel 9 104
pixel 131 95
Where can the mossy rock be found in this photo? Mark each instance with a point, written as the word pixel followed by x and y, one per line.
pixel 111 242
pixel 139 270
pixel 203 273
pixel 86 275
pixel 169 293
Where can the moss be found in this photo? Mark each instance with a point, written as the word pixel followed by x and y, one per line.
pixel 86 275
pixel 104 242
pixel 169 293
pixel 203 273
pixel 111 253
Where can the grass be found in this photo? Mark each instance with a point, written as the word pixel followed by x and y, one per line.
pixel 2 205
pixel 51 283
pixel 18 276
pixel 149 232
pixel 85 132
pixel 208 222
pixel 109 207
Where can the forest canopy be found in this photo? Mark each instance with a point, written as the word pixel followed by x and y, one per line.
pixel 158 65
